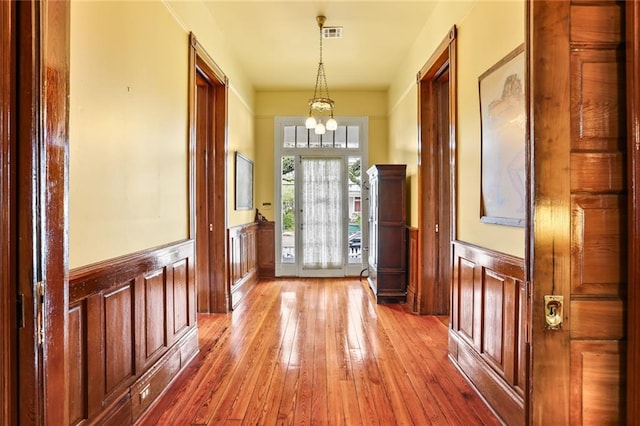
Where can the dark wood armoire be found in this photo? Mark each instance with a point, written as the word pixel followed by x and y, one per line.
pixel 387 232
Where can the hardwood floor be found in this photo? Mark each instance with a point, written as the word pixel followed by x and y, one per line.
pixel 319 351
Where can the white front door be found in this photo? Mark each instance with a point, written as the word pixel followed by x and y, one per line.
pixel 319 201
pixel 321 217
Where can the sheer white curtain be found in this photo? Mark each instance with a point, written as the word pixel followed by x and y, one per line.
pixel 322 241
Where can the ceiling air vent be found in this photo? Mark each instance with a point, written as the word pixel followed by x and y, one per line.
pixel 331 32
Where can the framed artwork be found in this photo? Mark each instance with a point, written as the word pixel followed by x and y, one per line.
pixel 244 182
pixel 503 121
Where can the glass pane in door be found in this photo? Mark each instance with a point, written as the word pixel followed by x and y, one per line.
pixel 354 237
pixel 321 213
pixel 287 209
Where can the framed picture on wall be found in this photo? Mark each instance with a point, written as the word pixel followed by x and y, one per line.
pixel 244 183
pixel 503 139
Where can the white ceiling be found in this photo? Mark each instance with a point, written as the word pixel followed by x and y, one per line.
pixel 277 42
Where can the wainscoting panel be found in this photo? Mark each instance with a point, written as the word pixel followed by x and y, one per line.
pixel 413 271
pixel 154 326
pixel 489 328
pixel 118 329
pixel 77 376
pixel 243 265
pixel 132 328
pixel 266 250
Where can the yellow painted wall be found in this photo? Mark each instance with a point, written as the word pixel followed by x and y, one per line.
pixel 268 105
pixel 241 125
pixel 196 17
pixel 487 31
pixel 128 184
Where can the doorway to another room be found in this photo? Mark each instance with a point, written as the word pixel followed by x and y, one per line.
pixel 321 203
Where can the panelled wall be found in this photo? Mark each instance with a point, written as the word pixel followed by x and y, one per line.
pixel 251 257
pixel 598 212
pixel 243 265
pixel 489 326
pixel 413 269
pixel 132 328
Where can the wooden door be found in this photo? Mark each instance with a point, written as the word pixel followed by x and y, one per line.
pixel 436 177
pixel 579 199
pixel 34 204
pixel 203 172
pixel 208 124
pixel 442 283
pixel 633 148
pixel 8 344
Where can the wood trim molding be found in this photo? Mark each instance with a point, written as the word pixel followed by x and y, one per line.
pixel 43 114
pixel 208 197
pixel 633 120
pixel 8 219
pixel 429 298
pixel 91 279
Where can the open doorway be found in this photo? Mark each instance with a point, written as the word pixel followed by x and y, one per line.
pixel 436 177
pixel 208 223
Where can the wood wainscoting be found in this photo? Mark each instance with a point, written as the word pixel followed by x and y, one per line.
pixel 488 334
pixel 243 260
pixel 251 257
pixel 413 269
pixel 132 328
pixel 266 250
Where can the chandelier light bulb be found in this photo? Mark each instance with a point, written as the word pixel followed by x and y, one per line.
pixel 320 129
pixel 310 123
pixel 332 124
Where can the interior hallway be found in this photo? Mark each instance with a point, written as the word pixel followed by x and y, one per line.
pixel 319 351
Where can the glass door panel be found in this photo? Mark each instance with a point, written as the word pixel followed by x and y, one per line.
pixel 321 221
pixel 287 210
pixel 354 231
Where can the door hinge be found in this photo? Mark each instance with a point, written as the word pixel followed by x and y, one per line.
pixel 437 228
pixel 40 312
pixel 20 310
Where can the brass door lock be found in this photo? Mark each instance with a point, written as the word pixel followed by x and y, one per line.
pixel 553 312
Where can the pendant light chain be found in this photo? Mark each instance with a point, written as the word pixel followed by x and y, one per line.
pixel 321 101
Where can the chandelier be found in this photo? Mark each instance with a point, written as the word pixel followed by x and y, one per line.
pixel 321 103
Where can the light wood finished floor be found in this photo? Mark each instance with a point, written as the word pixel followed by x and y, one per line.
pixel 320 351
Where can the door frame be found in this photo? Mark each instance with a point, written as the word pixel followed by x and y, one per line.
pixel 350 269
pixel 431 297
pixel 208 202
pixel 8 336
pixel 38 256
pixel 632 12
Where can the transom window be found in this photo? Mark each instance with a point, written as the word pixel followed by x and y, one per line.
pixel 344 136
